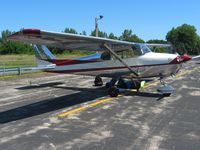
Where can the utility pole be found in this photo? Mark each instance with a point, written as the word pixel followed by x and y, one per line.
pixel 96 24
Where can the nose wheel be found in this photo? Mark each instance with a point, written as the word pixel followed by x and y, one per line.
pixel 165 90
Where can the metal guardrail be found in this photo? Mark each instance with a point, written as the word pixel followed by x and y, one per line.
pixel 17 70
pixel 20 70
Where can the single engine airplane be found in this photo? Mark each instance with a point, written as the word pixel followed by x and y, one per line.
pixel 115 58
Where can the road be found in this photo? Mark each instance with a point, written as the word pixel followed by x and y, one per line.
pixel 67 112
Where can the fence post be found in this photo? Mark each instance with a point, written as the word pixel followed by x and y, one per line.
pixel 4 69
pixel 19 71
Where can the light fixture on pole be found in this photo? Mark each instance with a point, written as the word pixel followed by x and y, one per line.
pixel 96 24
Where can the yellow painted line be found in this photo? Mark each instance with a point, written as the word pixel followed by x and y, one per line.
pixel 184 73
pixel 72 111
pixel 81 108
pixel 151 84
pixel 102 101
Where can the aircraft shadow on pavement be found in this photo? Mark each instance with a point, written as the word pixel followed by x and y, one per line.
pixel 146 94
pixel 52 104
pixel 37 86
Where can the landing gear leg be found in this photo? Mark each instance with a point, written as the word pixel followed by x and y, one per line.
pixel 98 81
pixel 113 90
pixel 165 90
pixel 117 85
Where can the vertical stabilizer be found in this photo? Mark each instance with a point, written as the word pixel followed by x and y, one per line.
pixel 43 54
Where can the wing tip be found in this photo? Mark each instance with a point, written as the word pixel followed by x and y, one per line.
pixel 24 31
pixel 31 31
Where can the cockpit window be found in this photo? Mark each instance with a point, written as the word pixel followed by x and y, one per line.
pixel 137 49
pixel 145 49
pixel 128 53
pixel 131 52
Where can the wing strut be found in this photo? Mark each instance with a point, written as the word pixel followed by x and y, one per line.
pixel 121 60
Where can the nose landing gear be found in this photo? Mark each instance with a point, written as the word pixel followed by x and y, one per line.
pixel 165 90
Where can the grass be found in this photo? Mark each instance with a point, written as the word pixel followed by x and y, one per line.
pixel 9 61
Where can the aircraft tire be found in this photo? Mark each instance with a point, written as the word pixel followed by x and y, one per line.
pixel 166 94
pixel 98 81
pixel 113 91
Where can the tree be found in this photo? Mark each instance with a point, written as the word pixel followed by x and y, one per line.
pixel 197 48
pixel 70 30
pixel 128 36
pixel 112 36
pixel 83 33
pixel 100 34
pixel 158 49
pixel 156 41
pixel 13 47
pixel 184 38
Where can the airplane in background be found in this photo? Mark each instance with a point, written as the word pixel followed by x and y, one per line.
pixel 120 60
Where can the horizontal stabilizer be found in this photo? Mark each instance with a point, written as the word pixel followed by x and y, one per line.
pixel 41 67
pixel 196 58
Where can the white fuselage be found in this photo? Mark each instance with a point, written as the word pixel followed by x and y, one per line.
pixel 148 65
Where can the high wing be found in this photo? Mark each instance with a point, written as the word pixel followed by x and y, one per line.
pixel 73 41
pixel 68 41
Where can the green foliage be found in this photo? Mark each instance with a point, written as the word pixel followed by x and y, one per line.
pixel 13 47
pixel 56 50
pixel 128 36
pixel 159 49
pixel 83 33
pixel 70 30
pixel 196 51
pixel 112 36
pixel 156 41
pixel 184 38
pixel 100 34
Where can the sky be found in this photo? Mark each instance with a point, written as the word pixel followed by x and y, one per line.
pixel 148 19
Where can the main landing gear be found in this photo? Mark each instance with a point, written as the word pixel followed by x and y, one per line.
pixel 165 90
pixel 115 86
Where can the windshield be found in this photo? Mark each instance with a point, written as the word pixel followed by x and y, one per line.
pixel 140 49
pixel 145 49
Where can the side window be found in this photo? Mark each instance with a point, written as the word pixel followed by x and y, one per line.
pixel 130 52
pixel 125 53
pixel 106 56
pixel 136 50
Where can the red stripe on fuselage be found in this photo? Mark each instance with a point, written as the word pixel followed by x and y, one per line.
pixel 65 62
